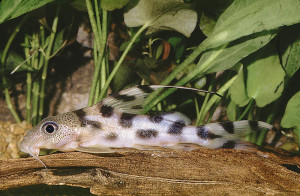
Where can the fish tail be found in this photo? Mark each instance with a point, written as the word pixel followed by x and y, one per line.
pixel 230 134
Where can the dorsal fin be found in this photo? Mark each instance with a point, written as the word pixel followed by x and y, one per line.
pixel 131 100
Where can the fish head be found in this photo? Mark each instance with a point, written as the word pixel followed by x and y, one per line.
pixel 54 132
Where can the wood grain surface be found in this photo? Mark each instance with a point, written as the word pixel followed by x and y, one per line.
pixel 167 172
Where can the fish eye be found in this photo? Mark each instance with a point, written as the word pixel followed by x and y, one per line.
pixel 50 127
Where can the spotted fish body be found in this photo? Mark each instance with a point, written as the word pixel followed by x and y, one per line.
pixel 116 122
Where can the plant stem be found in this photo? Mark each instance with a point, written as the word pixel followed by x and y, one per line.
pixel 35 101
pixel 28 83
pixel 47 57
pixel 98 21
pixel 97 91
pixel 99 45
pixel 36 84
pixel 262 134
pixel 204 104
pixel 246 110
pixel 153 99
pixel 104 70
pixel 253 136
pixel 105 59
pixel 216 99
pixel 95 79
pixel 92 21
pixel 211 113
pixel 2 69
pixel 114 71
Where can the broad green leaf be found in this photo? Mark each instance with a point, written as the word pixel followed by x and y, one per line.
pixel 206 24
pixel 235 7
pixel 231 111
pixel 211 11
pixel 174 15
pixel 246 17
pixel 231 54
pixel 79 5
pixel 14 61
pixel 237 90
pixel 10 9
pixel 289 41
pixel 111 5
pixel 291 117
pixel 265 76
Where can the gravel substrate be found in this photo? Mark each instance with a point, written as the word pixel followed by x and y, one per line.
pixel 11 135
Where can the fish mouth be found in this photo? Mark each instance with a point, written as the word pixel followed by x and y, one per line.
pixel 31 150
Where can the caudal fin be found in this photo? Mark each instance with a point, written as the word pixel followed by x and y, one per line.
pixel 229 134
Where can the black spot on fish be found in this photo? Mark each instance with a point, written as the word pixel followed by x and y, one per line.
pixel 228 126
pixel 106 111
pixel 126 120
pixel 176 128
pixel 213 136
pixel 145 88
pixel 203 133
pixel 146 134
pixel 81 116
pixel 111 136
pixel 124 98
pixel 156 118
pixel 93 124
pixel 229 145
pixel 253 125
pixel 80 113
pixel 137 107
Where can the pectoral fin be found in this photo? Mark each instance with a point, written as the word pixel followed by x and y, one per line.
pixel 146 147
pixel 184 146
pixel 94 149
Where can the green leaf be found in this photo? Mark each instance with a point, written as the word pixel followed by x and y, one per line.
pixel 13 61
pixel 206 24
pixel 10 9
pixel 211 11
pixel 215 99
pixel 291 117
pixel 231 54
pixel 232 111
pixel 59 41
pixel 79 5
pixel 111 5
pixel 178 44
pixel 246 17
pixel 237 90
pixel 265 76
pixel 174 15
pixel 289 41
pixel 124 76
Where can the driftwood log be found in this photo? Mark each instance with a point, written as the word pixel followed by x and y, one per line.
pixel 168 172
